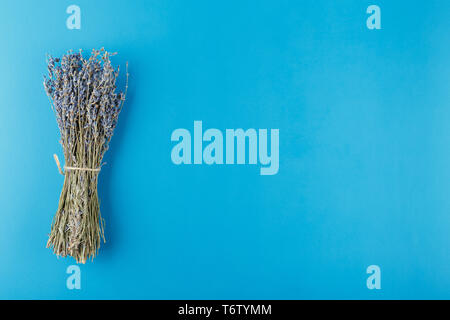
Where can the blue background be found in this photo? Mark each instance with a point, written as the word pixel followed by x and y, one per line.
pixel 364 120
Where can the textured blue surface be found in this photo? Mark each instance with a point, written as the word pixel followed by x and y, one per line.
pixel 364 178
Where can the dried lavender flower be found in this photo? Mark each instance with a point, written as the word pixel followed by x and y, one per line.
pixel 83 96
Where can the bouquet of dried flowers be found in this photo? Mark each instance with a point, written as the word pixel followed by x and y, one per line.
pixel 83 96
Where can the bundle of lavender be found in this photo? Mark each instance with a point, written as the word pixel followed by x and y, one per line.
pixel 83 95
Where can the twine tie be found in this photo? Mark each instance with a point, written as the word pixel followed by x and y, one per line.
pixel 68 168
